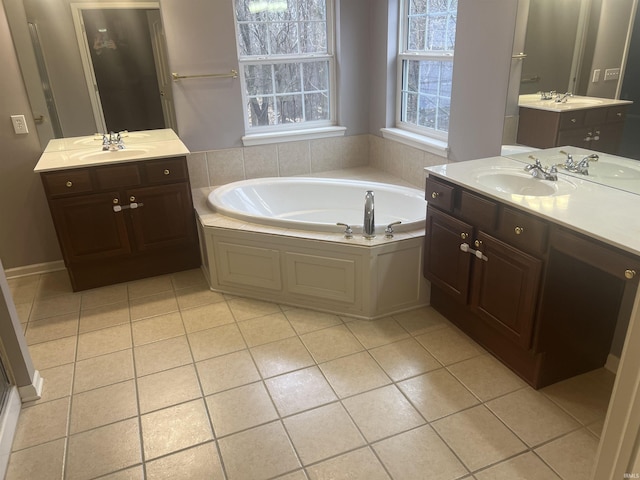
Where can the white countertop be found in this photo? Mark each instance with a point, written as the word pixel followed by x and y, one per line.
pixel 575 102
pixel 599 211
pixel 76 152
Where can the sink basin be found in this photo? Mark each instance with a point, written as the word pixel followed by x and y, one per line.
pixel 93 155
pixel 516 182
pixel 610 169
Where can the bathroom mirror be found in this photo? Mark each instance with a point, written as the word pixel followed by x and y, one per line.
pixel 94 66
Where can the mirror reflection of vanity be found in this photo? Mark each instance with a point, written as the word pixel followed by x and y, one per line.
pixel 577 46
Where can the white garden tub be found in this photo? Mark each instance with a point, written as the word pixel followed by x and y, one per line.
pixel 317 204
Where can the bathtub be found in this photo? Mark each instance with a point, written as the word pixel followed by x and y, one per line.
pixel 317 204
pixel 276 240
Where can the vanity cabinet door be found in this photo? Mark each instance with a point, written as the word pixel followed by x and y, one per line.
pixel 445 264
pixel 163 217
pixel 505 288
pixel 88 228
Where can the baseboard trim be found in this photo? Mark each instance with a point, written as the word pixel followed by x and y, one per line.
pixel 29 393
pixel 35 269
pixel 612 363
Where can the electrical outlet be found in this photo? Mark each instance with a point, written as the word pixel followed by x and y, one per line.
pixel 611 74
pixel 19 124
pixel 596 76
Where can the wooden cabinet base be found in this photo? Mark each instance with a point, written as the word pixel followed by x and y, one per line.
pixel 98 273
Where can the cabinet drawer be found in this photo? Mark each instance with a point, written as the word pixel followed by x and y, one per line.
pixel 572 119
pixel 482 212
pixel 67 182
pixel 166 170
pixel 595 116
pixel 116 176
pixel 616 114
pixel 439 194
pixel 523 231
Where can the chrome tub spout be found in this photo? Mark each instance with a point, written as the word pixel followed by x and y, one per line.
pixel 369 228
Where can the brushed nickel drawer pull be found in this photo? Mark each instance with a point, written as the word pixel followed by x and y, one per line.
pixel 518 230
pixel 132 198
pixel 69 184
pixel 166 171
pixel 435 195
pixel 464 235
pixel 116 201
pixel 629 274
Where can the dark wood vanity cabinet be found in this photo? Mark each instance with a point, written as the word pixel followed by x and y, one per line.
pixel 542 299
pixel 598 128
pixel 123 222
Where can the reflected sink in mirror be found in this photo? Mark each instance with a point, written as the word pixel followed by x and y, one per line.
pixel 515 182
pixel 609 168
pixel 574 102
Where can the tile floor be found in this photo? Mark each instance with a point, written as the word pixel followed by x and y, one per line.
pixel 164 379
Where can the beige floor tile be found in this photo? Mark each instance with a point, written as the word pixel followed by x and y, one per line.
pixel 258 454
pixel 266 329
pixel 54 353
pixel 437 393
pixel 246 308
pixel 404 359
pixel 360 464
pixel 188 278
pixel 57 383
pixel 54 306
pixel 281 357
pixel 571 456
pixel 157 328
pixel 167 388
pixel 596 427
pixel 486 377
pixel 104 370
pixel 478 438
pixel 174 428
pixel 196 296
pixel 102 406
pixel 103 450
pixel 378 332
pixel 104 316
pixel 162 355
pixel 54 284
pixel 449 346
pixel 24 311
pixel 240 408
pixel 197 463
pixel 101 342
pixel 149 286
pixel 216 341
pixel 532 416
pixel 421 320
pixel 104 296
pixel 586 397
pixel 298 475
pixel 300 390
pixel 322 433
pixel 133 473
pixel 152 305
pixel 354 374
pixel 42 423
pixel 330 343
pixel 24 289
pixel 419 454
pixel 305 321
pixel 383 412
pixel 206 316
pixel 523 467
pixel 52 328
pixel 43 462
pixel 226 372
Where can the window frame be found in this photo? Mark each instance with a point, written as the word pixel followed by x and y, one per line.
pixel 330 57
pixel 404 54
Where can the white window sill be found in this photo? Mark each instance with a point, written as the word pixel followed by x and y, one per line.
pixel 431 145
pixel 292 135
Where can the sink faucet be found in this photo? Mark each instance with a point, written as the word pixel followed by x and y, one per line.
pixel 369 229
pixel 547 95
pixel 112 142
pixel 578 167
pixel 562 97
pixel 538 171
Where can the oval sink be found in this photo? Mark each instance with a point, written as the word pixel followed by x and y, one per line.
pixel 610 170
pixel 126 153
pixel 515 182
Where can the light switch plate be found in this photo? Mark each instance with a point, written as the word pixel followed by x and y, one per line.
pixel 19 124
pixel 611 74
pixel 596 76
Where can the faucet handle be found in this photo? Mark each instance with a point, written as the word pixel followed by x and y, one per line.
pixel 348 231
pixel 388 232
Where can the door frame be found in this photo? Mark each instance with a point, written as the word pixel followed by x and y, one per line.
pixel 85 54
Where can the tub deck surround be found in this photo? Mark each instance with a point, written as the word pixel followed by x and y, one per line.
pixel 324 271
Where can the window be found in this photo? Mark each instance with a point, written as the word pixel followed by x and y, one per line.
pixel 286 63
pixel 425 60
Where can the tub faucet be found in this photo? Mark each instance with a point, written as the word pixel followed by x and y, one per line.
pixel 369 229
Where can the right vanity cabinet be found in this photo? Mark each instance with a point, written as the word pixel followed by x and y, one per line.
pixel 543 299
